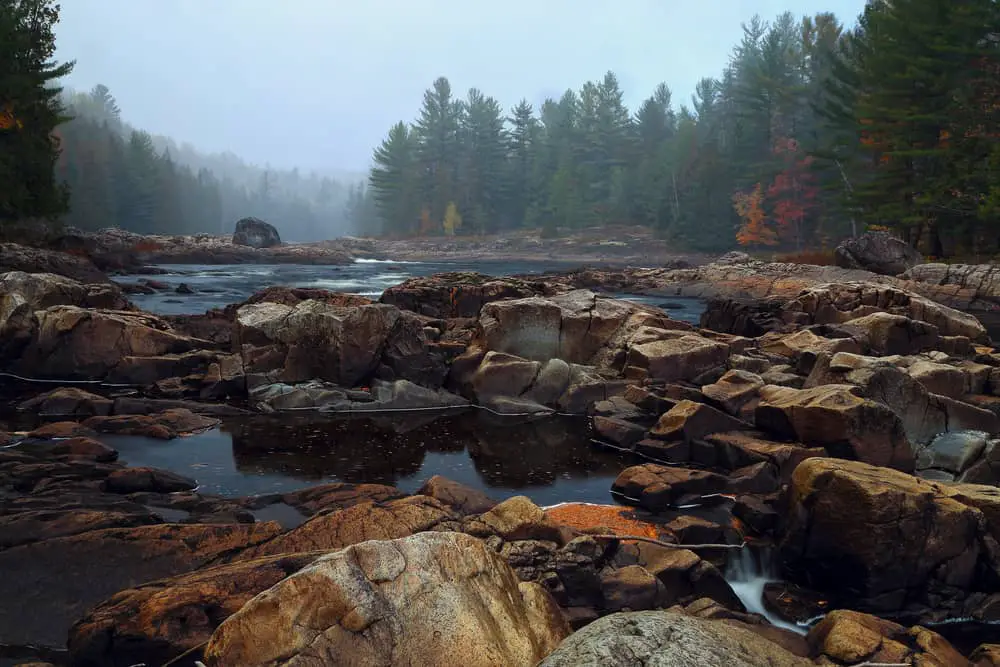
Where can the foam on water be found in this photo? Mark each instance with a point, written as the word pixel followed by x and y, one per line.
pixel 365 260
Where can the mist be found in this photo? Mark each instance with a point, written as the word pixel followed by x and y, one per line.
pixel 316 84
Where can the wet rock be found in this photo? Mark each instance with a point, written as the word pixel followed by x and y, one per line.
pixel 59 578
pixel 459 496
pixel 952 452
pixel 878 252
pixel 884 534
pixel 255 233
pixel 460 605
pixel 67 401
pixel 74 448
pixel 66 429
pixel 835 417
pixel 986 655
pixel 151 480
pixel 663 639
pixel 657 487
pixel 620 433
pixel 739 449
pixel 632 588
pixel 157 621
pixel 516 518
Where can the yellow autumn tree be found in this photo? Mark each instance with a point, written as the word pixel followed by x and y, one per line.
pixel 452 219
pixel 754 230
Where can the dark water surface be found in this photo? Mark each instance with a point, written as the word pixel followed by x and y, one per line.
pixel 216 286
pixel 550 460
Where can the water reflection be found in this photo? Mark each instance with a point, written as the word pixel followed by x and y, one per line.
pixel 550 460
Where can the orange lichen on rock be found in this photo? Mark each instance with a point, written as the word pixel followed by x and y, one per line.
pixel 611 519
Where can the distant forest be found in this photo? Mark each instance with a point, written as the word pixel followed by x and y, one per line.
pixel 811 133
pixel 119 176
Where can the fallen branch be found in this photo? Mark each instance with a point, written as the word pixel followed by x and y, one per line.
pixel 669 545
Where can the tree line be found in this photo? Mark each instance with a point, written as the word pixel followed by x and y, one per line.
pixel 812 132
pixel 68 157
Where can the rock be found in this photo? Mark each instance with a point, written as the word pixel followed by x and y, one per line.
pixel 463 498
pixel 157 621
pixel 986 655
pixel 689 421
pixel 59 578
pixel 734 257
pixel 668 639
pixel 314 340
pixel 29 526
pixel 67 402
pixel 16 257
pixel 878 252
pixel 882 534
pixel 952 452
pixel 434 598
pixel 458 294
pixel 357 523
pixel 255 233
pixel 683 358
pixel 842 302
pixel 738 449
pixel 733 390
pixel 516 518
pixel 657 487
pixel 151 480
pixel 165 425
pixel 69 342
pixel 751 319
pixel 835 417
pixel 850 637
pixel 77 447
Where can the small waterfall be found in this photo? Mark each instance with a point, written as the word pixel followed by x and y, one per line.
pixel 748 571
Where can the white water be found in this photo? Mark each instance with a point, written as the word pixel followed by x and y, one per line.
pixel 748 571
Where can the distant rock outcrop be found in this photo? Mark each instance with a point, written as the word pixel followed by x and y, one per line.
pixel 256 233
pixel 878 252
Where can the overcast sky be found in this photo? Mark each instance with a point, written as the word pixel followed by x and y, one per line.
pixel 317 83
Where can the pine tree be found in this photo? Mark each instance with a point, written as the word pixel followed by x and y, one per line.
pixel 393 181
pixel 437 154
pixel 30 103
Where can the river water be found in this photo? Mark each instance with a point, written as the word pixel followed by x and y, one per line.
pixel 219 285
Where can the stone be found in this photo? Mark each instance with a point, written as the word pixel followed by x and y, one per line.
pixel 157 621
pixel 668 639
pixel 692 421
pixel 878 252
pixel 60 578
pixel 255 233
pixel 682 358
pixel 459 496
pixel 150 480
pixel 733 390
pixel 835 417
pixel 657 487
pixel 879 532
pixel 434 598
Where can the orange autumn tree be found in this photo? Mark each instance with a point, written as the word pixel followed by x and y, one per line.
pixel 755 229
pixel 793 192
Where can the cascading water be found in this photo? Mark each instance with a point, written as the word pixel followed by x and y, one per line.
pixel 748 571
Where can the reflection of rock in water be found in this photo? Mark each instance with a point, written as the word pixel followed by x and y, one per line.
pixel 536 453
pixel 383 450
pixel 352 450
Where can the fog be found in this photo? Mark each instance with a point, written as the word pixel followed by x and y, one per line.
pixel 317 83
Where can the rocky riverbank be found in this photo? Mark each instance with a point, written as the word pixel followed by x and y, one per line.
pixel 849 422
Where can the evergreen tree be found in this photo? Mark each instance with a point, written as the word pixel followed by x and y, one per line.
pixel 30 111
pixel 394 181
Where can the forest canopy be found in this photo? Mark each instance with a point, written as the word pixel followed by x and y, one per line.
pixel 812 132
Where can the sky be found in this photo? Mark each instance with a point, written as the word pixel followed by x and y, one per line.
pixel 317 83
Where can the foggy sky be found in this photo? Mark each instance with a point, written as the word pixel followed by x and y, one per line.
pixel 317 83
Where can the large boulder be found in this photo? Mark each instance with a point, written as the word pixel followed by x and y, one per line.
pixel 878 252
pixel 432 599
pixel 886 537
pixel 17 257
pixel 313 340
pixel 255 233
pixel 668 639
